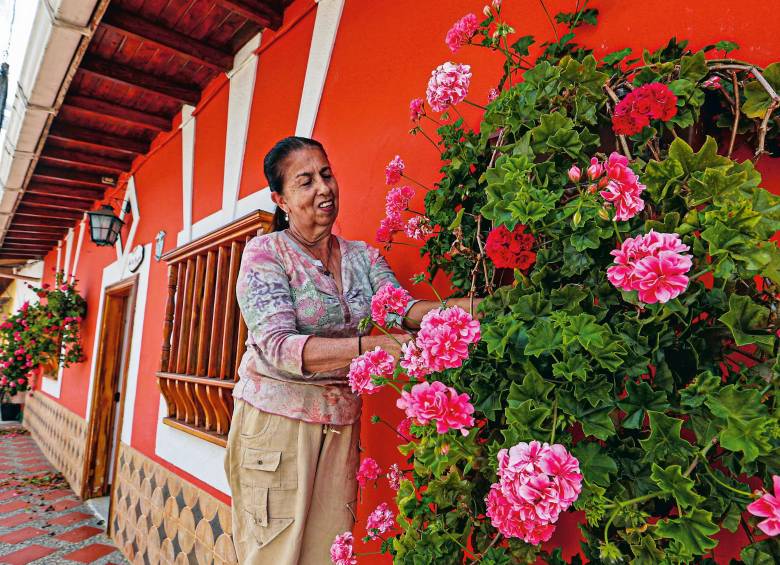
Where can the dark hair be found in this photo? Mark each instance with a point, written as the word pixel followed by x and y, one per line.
pixel 272 166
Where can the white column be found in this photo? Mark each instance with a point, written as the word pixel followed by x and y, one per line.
pixel 323 38
pixel 187 171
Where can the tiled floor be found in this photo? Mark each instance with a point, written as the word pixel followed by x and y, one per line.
pixel 41 520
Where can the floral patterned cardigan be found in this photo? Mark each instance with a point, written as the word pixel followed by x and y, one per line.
pixel 285 298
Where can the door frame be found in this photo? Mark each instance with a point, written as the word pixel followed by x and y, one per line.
pixel 126 289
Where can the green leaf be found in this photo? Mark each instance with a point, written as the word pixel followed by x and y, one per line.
pixel 543 337
pixel 672 481
pixel 595 464
pixel 646 552
pixel 732 402
pixel 664 442
pixel 616 56
pixel 596 390
pixel 574 366
pixel 747 436
pixel 726 46
pixel 521 45
pixel 747 321
pixel 641 398
pixel 595 421
pixel 660 176
pixel 694 532
pixel 692 162
pixel 584 329
pixel 757 99
pixel 456 222
pixel 694 67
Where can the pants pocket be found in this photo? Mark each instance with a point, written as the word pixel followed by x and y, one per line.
pixel 270 512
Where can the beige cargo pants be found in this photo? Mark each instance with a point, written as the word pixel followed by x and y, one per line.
pixel 293 486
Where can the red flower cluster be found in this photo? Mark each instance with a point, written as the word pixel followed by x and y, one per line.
pixel 651 101
pixel 511 249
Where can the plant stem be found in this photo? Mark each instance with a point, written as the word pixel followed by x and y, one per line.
pixel 743 493
pixel 621 505
pixel 549 19
pixel 617 231
pixel 474 104
pixel 414 181
pixel 384 331
pixel 735 126
pixel 555 420
pixel 386 423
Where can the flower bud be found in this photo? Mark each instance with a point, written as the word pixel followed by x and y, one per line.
pixel 595 170
pixel 577 218
pixel 486 11
pixel 603 214
pixel 574 173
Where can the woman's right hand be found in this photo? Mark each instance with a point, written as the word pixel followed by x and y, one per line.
pixel 390 344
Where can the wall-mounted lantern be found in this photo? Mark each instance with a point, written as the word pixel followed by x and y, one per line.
pixel 104 226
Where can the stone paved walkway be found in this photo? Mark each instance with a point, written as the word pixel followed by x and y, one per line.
pixel 41 520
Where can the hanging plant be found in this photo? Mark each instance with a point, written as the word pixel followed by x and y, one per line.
pixel 45 335
pixel 628 366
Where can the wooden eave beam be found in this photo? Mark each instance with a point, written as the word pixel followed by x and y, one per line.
pixel 255 11
pixel 44 229
pixel 59 156
pixel 56 175
pixel 38 211
pixel 61 191
pixel 54 202
pixel 130 24
pixel 115 113
pixel 13 255
pixel 128 76
pixel 51 242
pixel 26 248
pixel 97 139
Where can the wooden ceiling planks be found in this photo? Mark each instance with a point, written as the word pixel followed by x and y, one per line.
pixel 146 59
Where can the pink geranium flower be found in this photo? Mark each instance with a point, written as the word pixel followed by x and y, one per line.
pixel 596 169
pixel 412 361
pixel 416 109
pixel 397 200
pixel 448 85
pixel 341 551
pixel 768 507
pixel 388 226
pixel 536 483
pixel 436 402
pixel 394 476
pixel 369 471
pixel 574 173
pixel 389 304
pixel 444 337
pixel 623 188
pixel 653 264
pixel 394 170
pixel 377 362
pixel 379 521
pixel 419 228
pixel 493 94
pixel 461 32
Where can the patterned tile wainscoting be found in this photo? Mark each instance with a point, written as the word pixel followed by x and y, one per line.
pixel 158 517
pixel 59 433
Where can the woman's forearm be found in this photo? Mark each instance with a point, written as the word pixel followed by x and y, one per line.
pixel 421 308
pixel 328 354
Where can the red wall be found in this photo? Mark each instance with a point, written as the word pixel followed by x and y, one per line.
pixel 382 58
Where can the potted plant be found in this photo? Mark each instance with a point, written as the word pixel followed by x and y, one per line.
pixel 38 339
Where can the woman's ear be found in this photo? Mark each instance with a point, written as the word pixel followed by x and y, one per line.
pixel 279 200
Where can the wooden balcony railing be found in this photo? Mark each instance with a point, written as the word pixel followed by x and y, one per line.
pixel 203 333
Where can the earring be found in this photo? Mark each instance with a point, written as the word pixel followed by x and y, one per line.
pixel 286 217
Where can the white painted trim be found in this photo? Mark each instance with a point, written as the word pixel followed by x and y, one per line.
pixel 130 196
pixel 242 87
pixel 259 200
pixel 201 459
pixel 68 254
pixel 209 224
pixel 82 228
pixel 188 122
pixel 323 38
pixel 59 257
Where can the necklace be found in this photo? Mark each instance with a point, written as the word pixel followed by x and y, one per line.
pixel 310 247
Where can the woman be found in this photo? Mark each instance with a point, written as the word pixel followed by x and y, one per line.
pixel 292 452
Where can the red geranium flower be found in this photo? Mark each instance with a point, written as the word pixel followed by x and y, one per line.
pixel 511 250
pixel 651 101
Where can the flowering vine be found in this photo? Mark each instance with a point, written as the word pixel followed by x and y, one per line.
pixel 626 361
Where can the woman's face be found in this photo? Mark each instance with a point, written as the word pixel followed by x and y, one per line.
pixel 310 194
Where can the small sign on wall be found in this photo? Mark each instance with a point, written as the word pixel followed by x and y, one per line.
pixel 136 258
